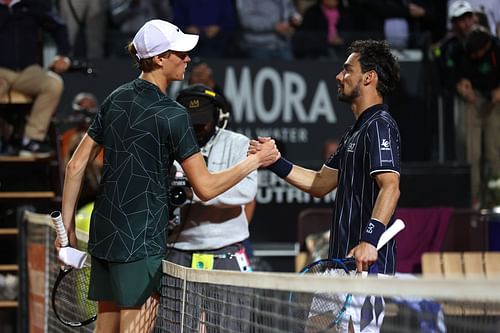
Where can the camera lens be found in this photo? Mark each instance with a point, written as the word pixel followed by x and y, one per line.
pixel 177 196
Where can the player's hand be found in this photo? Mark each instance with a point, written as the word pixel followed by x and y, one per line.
pixel 365 254
pixel 267 153
pixel 256 145
pixel 71 238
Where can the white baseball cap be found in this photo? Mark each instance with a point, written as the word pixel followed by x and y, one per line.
pixel 459 8
pixel 158 36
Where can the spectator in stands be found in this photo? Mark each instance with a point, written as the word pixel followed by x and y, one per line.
pixel 320 34
pixel 267 27
pixel 479 86
pixel 213 20
pixel 487 13
pixel 128 16
pixel 447 56
pixel 20 65
pixel 202 73
pixel 368 19
pixel 87 23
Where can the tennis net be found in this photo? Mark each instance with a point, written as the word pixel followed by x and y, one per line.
pixel 222 301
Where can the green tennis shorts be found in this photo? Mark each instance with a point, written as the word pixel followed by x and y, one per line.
pixel 128 284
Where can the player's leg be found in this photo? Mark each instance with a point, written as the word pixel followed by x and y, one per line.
pixel 136 287
pixel 108 318
pixel 140 320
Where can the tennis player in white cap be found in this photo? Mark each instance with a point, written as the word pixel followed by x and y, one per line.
pixel 142 131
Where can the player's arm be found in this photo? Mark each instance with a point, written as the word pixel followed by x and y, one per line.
pixel 385 204
pixel 387 198
pixel 317 183
pixel 243 192
pixel 207 185
pixel 84 154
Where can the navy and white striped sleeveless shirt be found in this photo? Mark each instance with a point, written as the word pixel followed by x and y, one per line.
pixel 372 145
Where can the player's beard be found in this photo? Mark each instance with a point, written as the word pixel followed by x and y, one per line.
pixel 349 98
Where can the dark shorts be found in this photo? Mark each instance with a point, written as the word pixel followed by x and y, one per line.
pixel 128 284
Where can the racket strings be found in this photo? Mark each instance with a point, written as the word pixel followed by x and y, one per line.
pixel 70 297
pixel 323 312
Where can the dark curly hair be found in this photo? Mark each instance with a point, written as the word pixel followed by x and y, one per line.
pixel 376 55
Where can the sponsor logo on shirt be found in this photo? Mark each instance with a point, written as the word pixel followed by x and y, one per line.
pixel 350 147
pixel 385 145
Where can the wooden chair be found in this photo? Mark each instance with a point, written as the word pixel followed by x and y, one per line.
pixel 461 264
pixel 14 106
pixel 470 265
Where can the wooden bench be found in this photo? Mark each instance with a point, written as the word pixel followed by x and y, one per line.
pixel 15 97
pixel 469 265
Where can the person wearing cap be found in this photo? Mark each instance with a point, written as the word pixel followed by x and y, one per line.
pixel 141 131
pixel 201 72
pixel 451 49
pixel 447 56
pixel 214 229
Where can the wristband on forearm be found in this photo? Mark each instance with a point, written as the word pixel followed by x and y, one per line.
pixel 282 167
pixel 374 229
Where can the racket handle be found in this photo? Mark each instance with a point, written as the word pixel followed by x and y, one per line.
pixel 60 230
pixel 392 231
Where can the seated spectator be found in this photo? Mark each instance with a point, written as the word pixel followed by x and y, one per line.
pixel 319 34
pixel 267 27
pixel 20 24
pixel 213 20
pixel 86 21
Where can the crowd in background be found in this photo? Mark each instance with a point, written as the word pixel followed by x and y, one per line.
pixel 283 29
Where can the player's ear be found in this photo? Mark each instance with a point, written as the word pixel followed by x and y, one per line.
pixel 369 77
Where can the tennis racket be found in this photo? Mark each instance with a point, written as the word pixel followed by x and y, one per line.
pixel 321 312
pixel 69 294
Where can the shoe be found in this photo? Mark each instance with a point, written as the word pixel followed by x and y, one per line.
pixel 36 149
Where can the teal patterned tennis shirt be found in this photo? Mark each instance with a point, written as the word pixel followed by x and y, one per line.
pixel 142 132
